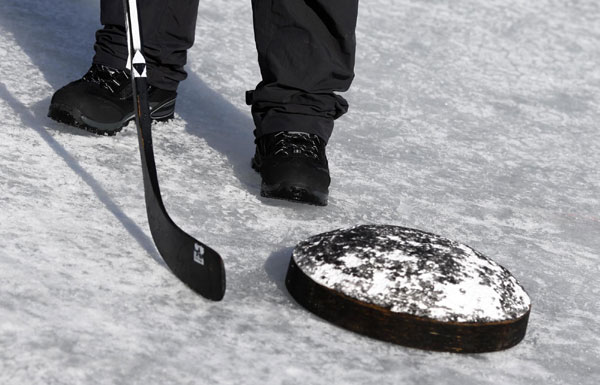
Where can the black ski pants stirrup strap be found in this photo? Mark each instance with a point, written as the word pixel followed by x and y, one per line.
pixel 306 52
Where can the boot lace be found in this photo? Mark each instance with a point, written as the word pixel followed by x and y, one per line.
pixel 287 143
pixel 111 79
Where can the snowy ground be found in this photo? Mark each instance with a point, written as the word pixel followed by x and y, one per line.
pixel 474 120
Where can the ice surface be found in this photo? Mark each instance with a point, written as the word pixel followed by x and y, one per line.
pixel 474 120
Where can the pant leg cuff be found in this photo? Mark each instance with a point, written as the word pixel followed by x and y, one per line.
pixel 276 122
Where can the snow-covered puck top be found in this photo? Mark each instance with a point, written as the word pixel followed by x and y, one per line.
pixel 413 272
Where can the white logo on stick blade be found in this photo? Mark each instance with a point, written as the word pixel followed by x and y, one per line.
pixel 199 254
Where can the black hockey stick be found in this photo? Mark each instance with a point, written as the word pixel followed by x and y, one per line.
pixel 196 264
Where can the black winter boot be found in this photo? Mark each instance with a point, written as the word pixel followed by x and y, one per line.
pixel 293 166
pixel 101 101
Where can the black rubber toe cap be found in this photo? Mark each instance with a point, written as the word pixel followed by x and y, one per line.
pixel 89 100
pixel 296 172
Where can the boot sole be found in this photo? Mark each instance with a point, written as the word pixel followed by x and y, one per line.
pixel 73 117
pixel 290 191
pixel 294 193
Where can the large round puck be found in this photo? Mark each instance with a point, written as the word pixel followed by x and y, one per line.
pixel 409 287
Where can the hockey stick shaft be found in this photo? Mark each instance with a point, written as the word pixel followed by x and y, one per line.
pixel 196 264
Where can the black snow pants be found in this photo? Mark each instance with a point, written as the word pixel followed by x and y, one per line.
pixel 306 51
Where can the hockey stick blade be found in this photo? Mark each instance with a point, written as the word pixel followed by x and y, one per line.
pixel 194 263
